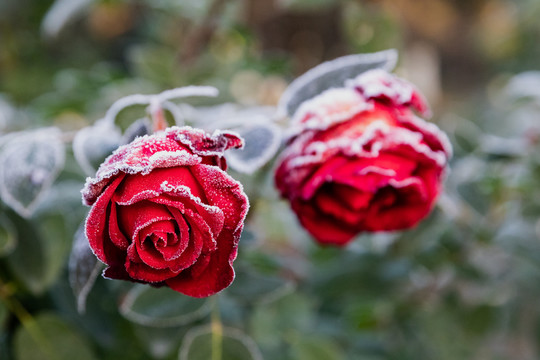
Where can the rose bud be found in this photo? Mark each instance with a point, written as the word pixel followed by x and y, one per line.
pixel 165 212
pixel 359 159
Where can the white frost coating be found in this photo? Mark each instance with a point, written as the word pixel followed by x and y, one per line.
pixel 388 57
pixel 377 170
pixel 159 99
pixel 331 107
pixel 29 164
pixel 185 191
pixel 220 146
pixel 430 129
pixel 102 136
pixel 380 135
pixel 375 83
pixel 60 14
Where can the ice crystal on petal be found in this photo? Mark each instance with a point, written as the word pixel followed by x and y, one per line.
pixel 327 109
pixel 379 84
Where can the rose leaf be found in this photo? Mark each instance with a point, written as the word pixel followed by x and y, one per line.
pixel 29 164
pixel 330 74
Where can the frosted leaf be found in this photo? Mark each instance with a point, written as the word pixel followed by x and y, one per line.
pixel 524 85
pixel 261 142
pixel 29 164
pixel 140 127
pixel 199 343
pixel 61 13
pixel 84 268
pixel 93 144
pixel 332 74
pixel 162 307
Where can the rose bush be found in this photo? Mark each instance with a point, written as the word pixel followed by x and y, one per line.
pixel 359 159
pixel 165 212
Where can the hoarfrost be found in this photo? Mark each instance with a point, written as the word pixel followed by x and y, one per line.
pixel 332 74
pixel 29 164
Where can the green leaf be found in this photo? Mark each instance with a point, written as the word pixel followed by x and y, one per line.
pixel 315 348
pixel 199 343
pixel 8 236
pixel 47 337
pixel 162 307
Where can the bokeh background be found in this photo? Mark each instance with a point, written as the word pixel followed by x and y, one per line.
pixel 464 284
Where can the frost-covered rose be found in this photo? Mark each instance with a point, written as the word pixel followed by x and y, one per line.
pixel 165 212
pixel 359 159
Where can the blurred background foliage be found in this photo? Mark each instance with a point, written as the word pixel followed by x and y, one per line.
pixel 464 284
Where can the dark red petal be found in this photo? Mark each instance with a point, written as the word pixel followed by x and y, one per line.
pixel 350 197
pixel 206 216
pixel 324 173
pixel 116 235
pixel 143 272
pixel 147 249
pixel 330 205
pixel 139 215
pixel 195 243
pixel 325 229
pixel 211 273
pixel 96 225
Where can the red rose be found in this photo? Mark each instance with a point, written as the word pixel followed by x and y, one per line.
pixel 361 160
pixel 165 212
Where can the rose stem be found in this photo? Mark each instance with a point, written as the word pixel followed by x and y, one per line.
pixel 217 330
pixel 26 320
pixel 158 119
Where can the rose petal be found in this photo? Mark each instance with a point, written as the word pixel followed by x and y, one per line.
pixel 227 194
pixel 116 235
pixel 96 223
pixel 327 231
pixel 211 273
